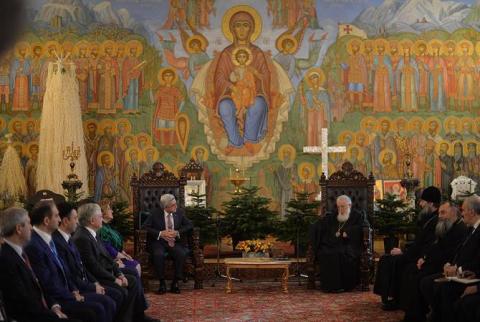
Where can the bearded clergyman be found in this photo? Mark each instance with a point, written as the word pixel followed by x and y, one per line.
pixel 339 246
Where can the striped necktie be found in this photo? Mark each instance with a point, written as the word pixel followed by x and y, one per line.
pixel 29 266
pixel 58 260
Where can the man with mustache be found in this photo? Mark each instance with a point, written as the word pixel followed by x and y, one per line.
pixel 391 266
pixel 450 232
pixel 338 248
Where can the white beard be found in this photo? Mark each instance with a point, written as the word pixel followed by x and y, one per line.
pixel 343 217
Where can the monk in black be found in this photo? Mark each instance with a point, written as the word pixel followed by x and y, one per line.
pixel 391 266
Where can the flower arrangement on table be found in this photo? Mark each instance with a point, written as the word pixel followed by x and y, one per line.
pixel 254 246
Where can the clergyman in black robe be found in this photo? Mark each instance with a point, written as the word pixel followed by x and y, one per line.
pixel 450 232
pixel 391 266
pixel 339 246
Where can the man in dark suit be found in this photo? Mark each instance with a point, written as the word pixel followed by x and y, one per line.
pixel 24 298
pixel 49 267
pixel 442 295
pixel 80 279
pixel 99 263
pixel 164 228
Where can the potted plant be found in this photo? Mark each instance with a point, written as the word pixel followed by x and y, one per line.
pixel 204 218
pixel 247 216
pixel 392 217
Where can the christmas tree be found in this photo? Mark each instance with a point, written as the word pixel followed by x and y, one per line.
pixel 392 216
pixel 203 217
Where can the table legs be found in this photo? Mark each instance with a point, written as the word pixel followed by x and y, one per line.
pixel 286 273
pixel 229 281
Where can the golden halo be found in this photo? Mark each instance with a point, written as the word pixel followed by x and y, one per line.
pixel 128 158
pixel 348 154
pixel 404 44
pixel 54 44
pixel 100 156
pixel 465 146
pixel 394 44
pixel 434 43
pixel 87 122
pixel 342 136
pixel 234 54
pixel 315 71
pixel 331 169
pixel 67 46
pixel 163 70
pixel 195 148
pixel 279 43
pixel 383 119
pixel 203 43
pixel 123 146
pixel 463 43
pixel 107 123
pixel 107 43
pixel 450 119
pixel 309 166
pixel 35 122
pixel 27 148
pixel 80 44
pixel 413 120
pixel 395 123
pixel 146 136
pixel 449 44
pixel 37 44
pixel 22 44
pixel 466 119
pixel 357 41
pixel 379 42
pixel 369 43
pixel 385 151
pixel 419 43
pixel 94 45
pixel 135 43
pixel 288 147
pixel 449 150
pixel 429 120
pixel 232 11
pixel 364 134
pixel 13 121
pixel 3 124
pixel 156 154
pixel 125 121
pixel 366 120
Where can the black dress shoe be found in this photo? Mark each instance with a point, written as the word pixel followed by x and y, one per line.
pixel 174 288
pixel 163 288
pixel 147 318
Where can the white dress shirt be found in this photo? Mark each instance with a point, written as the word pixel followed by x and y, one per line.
pixel 64 235
pixel 165 218
pixel 45 236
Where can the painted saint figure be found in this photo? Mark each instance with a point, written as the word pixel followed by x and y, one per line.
pixel 356 70
pixel 132 77
pixel 408 79
pixel 383 79
pixel 20 78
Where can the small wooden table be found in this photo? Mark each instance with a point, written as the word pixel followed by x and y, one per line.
pixel 257 263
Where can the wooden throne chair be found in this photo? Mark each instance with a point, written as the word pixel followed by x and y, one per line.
pixel 360 189
pixel 146 192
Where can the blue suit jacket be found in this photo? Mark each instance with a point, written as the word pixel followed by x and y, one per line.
pixel 47 270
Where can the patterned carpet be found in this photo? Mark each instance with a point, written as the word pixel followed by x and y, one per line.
pixel 255 301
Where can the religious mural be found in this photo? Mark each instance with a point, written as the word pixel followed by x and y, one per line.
pixel 249 84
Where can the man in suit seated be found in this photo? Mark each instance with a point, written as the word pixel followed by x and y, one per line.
pixel 24 298
pixel 99 263
pixel 164 228
pixel 49 267
pixel 76 273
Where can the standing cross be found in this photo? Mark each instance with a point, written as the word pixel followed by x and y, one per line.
pixel 324 150
pixel 348 29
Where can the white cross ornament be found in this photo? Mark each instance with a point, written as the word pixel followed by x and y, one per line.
pixel 324 150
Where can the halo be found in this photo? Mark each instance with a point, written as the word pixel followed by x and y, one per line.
pixel 126 121
pixel 107 43
pixel 87 122
pixel 80 44
pixel 348 154
pixel 257 20
pixel 413 120
pixel 363 122
pixel 101 154
pixel 449 150
pixel 27 149
pixel 365 135
pixel 93 45
pixel 385 151
pixel 280 40
pixel 381 120
pixel 405 43
pixel 203 43
pixel 381 41
pixel 234 54
pixel 331 169
pixel 417 46
pixel 465 146
pixel 13 121
pixel 449 119
pixel 144 135
pixel 315 71
pixel 466 119
pixel 477 48
pixel 462 43
pixel 205 151
pixel 106 122
pixel 350 43
pixel 395 121
pixel 430 119
pixel 343 134
pixel 37 44
pixel 369 43
pixel 289 147
pixel 434 43
pixel 163 70
pixel 35 122
pixel 156 154
pixel 393 43
pixel 22 44
pixel 446 46
pixel 123 146
pixel 53 43
pixel 310 167
pixel 135 43
pixel 67 46
pixel 127 154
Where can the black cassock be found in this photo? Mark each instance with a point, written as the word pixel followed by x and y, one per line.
pixel 390 268
pixel 338 256
pixel 441 252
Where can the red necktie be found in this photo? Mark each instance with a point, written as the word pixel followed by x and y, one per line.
pixel 29 266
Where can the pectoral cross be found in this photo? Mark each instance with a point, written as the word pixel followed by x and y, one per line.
pixel 324 150
pixel 348 29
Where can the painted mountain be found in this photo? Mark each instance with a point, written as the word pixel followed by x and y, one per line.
pixel 415 16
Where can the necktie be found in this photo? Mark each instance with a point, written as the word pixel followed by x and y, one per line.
pixel 171 243
pixel 29 266
pixel 58 260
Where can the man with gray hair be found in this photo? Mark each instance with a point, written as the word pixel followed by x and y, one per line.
pixel 22 293
pixel 164 228
pixel 339 248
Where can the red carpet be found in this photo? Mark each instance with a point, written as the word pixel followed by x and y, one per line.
pixel 252 301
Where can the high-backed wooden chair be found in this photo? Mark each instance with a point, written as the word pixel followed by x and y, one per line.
pixel 147 191
pixel 41 195
pixel 359 188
